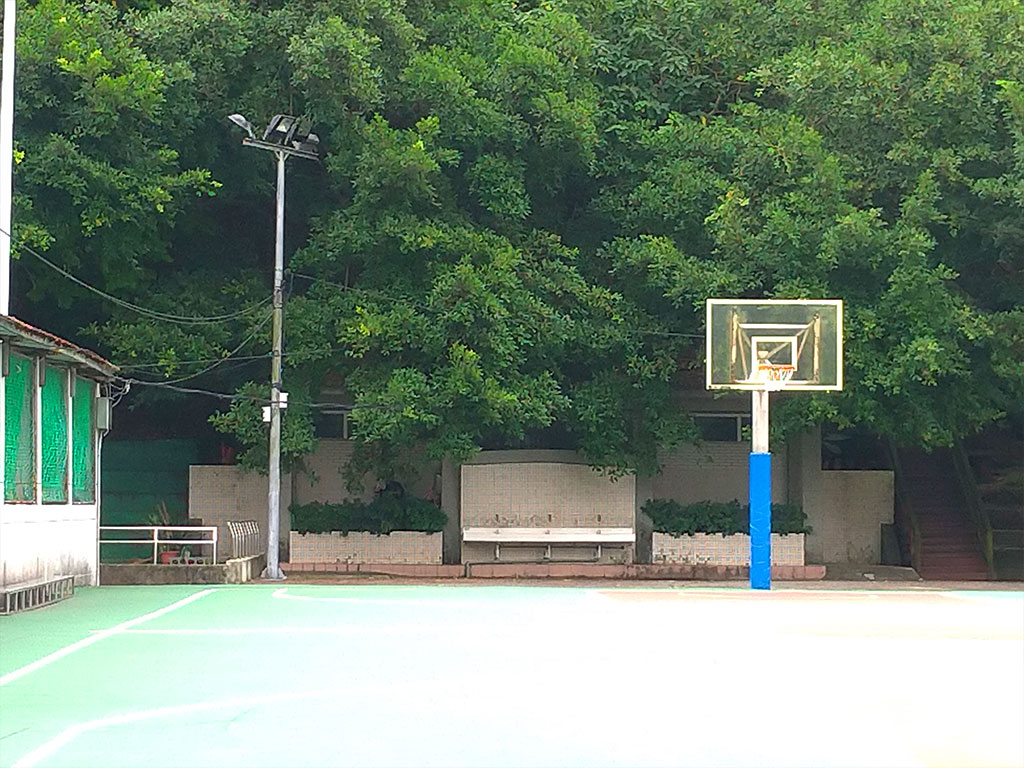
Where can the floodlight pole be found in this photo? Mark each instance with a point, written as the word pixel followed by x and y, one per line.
pixel 6 155
pixel 282 152
pixel 760 478
pixel 273 569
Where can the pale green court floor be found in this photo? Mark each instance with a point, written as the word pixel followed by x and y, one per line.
pixel 319 675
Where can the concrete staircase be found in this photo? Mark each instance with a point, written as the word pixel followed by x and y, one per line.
pixel 949 541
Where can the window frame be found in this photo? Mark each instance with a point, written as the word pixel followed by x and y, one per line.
pixel 740 419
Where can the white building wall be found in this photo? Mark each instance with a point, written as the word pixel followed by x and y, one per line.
pixel 715 472
pixel 845 508
pixel 324 480
pixel 43 541
pixel 39 542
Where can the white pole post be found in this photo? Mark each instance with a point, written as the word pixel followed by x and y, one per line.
pixel 6 155
pixel 273 569
pixel 759 422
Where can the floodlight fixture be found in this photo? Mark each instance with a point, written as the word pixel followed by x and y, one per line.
pixel 285 135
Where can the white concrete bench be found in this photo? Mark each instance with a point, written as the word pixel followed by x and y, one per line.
pixel 548 536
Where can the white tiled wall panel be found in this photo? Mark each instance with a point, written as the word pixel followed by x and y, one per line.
pixel 716 549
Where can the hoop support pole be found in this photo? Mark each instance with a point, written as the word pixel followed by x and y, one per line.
pixel 760 477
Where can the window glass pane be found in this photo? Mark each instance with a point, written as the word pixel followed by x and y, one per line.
pixel 54 433
pixel 717 428
pixel 83 453
pixel 329 425
pixel 19 418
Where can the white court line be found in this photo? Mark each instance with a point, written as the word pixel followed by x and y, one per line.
pixel 10 677
pixel 399 628
pixel 68 735
pixel 281 595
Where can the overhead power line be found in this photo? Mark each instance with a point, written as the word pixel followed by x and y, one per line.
pixel 258 400
pixel 225 358
pixel 154 314
pixel 199 361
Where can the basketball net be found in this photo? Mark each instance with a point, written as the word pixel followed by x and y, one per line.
pixel 774 377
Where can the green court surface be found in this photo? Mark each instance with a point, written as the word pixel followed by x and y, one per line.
pixel 326 675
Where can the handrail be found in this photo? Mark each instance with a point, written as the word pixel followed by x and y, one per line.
pixel 155 540
pixel 969 485
pixel 903 504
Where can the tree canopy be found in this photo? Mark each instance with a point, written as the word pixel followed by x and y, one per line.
pixel 524 205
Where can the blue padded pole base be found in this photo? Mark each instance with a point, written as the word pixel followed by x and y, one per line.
pixel 760 521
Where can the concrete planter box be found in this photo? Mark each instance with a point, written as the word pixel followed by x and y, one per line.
pixel 407 547
pixel 719 549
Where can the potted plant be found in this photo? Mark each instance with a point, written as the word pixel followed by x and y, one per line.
pixel 162 519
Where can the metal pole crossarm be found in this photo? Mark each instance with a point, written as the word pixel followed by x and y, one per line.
pixel 305 154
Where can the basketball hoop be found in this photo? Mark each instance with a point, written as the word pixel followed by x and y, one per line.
pixel 773 376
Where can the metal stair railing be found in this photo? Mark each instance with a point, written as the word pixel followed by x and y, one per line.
pixel 904 509
pixel 979 516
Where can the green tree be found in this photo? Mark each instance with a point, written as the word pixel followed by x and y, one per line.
pixel 523 207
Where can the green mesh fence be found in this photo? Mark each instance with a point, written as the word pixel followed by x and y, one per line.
pixel 20 448
pixel 54 435
pixel 83 454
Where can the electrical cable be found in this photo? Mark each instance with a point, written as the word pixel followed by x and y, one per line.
pixel 162 316
pixel 228 356
pixel 258 400
pixel 199 361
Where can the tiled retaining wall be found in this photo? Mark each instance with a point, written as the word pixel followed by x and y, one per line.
pixel 408 547
pixel 545 494
pixel 716 549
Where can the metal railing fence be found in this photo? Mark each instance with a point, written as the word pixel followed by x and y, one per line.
pixel 245 538
pixel 164 537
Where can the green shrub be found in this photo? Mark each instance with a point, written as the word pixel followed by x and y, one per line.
pixel 669 516
pixel 382 515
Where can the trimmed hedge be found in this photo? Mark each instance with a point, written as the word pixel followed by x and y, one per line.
pixel 669 516
pixel 382 515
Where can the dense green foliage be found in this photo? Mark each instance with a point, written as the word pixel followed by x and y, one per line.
pixel 669 516
pixel 523 206
pixel 382 515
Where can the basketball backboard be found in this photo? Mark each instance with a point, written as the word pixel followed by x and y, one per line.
pixel 761 344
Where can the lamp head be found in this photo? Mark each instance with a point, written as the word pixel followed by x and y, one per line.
pixel 240 121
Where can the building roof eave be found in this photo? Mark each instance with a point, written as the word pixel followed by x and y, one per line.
pixel 20 333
